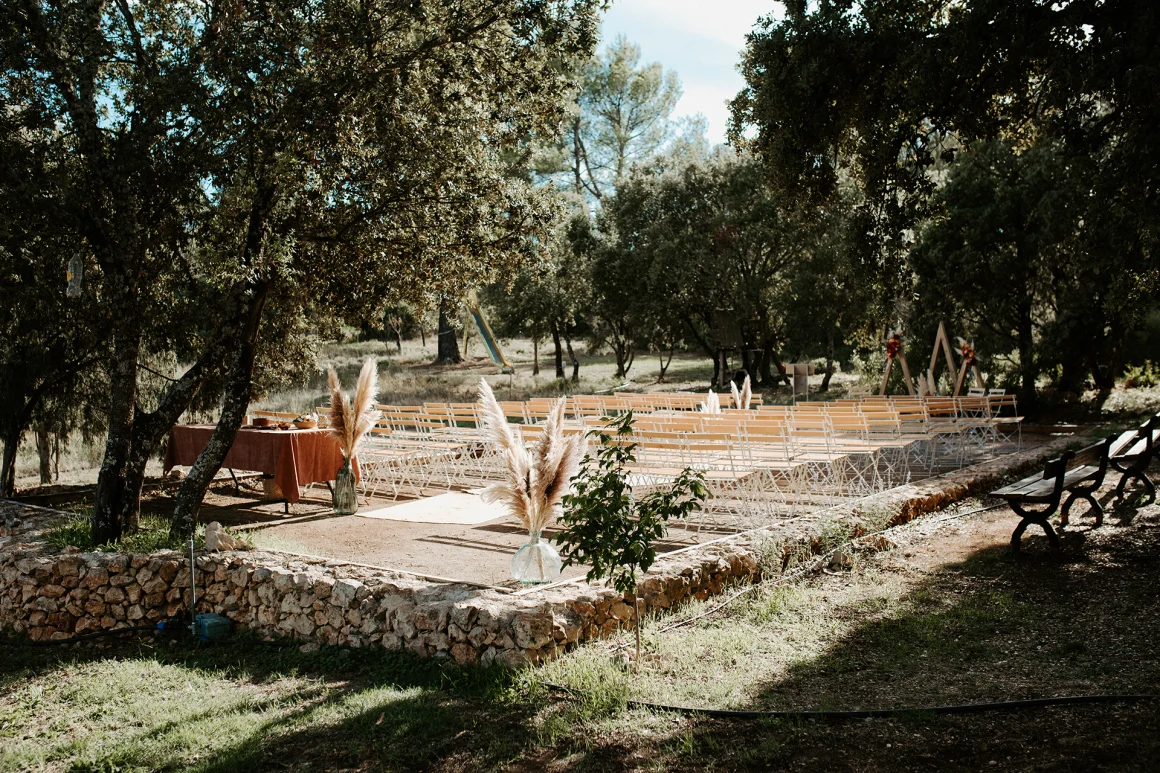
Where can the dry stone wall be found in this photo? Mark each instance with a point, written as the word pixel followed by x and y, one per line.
pixel 46 594
pixel 51 596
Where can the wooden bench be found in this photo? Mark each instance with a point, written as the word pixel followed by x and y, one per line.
pixel 1132 452
pixel 1079 473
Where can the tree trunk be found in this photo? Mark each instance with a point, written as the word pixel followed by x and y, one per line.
pixel 706 348
pixel 398 340
pixel 575 362
pixel 620 349
pixel 747 363
pixel 1027 370
pixel 664 363
pixel 150 429
pixel 44 452
pixel 109 501
pixel 764 373
pixel 829 360
pixel 448 350
pixel 715 382
pixel 781 374
pixel 559 353
pixel 8 465
pixel 1106 368
pixel 145 444
pixel 422 334
pixel 535 356
pixel 234 406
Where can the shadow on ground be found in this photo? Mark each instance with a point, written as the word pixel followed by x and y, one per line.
pixel 986 628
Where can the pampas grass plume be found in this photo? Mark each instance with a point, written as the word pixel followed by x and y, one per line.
pixel 711 403
pixel 352 418
pixel 535 480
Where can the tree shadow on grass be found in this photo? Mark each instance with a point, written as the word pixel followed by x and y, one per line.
pixel 333 708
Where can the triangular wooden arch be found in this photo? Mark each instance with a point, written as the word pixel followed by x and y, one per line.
pixel 941 343
pixel 970 362
pixel 900 355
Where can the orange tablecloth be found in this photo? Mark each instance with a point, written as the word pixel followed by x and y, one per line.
pixel 294 457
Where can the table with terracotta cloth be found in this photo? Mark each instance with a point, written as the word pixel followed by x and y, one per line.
pixel 295 458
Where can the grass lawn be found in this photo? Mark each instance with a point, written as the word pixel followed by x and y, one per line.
pixel 942 617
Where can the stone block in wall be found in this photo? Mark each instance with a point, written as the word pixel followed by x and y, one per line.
pixel 343 591
pixel 167 571
pixel 97 577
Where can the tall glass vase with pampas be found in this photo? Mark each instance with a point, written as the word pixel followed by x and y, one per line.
pixel 350 421
pixel 536 480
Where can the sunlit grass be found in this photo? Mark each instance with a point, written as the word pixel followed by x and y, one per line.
pixel 152 534
pixel 224 708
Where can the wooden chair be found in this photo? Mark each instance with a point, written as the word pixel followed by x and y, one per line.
pixel 276 415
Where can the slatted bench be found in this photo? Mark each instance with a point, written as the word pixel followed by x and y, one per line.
pixel 1079 473
pixel 1132 452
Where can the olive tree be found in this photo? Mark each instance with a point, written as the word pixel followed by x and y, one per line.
pixel 243 168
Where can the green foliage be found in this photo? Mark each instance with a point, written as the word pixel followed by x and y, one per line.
pixel 153 534
pixel 604 527
pixel 239 180
pixel 1049 148
pixel 686 243
pixel 992 259
pixel 1145 375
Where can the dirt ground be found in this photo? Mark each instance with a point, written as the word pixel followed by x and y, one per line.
pixel 479 553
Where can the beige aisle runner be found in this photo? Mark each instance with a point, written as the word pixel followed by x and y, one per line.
pixel 453 507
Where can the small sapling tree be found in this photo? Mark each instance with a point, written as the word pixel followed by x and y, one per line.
pixel 604 527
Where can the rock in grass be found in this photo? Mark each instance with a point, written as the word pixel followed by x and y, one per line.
pixel 217 538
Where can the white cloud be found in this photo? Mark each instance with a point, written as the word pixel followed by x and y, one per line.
pixel 701 41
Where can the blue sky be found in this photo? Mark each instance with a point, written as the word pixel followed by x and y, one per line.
pixel 700 39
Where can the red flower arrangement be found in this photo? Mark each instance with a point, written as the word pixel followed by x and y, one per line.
pixel 893 346
pixel 968 353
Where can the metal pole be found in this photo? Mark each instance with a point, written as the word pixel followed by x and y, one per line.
pixel 192 589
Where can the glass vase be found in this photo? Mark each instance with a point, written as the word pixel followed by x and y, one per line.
pixel 536 562
pixel 345 496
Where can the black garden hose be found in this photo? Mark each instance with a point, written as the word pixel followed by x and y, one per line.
pixel 963 708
